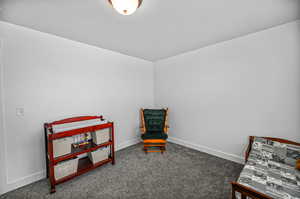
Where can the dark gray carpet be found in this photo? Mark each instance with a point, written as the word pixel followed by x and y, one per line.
pixel 178 173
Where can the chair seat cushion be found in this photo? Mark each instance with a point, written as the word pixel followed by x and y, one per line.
pixel 154 135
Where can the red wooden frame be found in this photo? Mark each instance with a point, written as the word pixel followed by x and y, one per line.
pixel 247 191
pixel 84 164
pixel 73 119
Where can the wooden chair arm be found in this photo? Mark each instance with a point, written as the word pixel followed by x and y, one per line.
pixel 166 129
pixel 248 150
pixel 298 164
pixel 142 129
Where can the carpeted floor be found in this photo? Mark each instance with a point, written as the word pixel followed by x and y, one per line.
pixel 178 173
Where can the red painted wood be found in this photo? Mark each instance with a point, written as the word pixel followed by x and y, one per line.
pixel 77 151
pixel 84 164
pixel 74 119
pixel 51 165
pixel 113 144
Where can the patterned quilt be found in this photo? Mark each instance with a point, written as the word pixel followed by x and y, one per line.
pixel 271 169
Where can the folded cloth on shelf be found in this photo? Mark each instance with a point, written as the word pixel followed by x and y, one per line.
pixel 76 125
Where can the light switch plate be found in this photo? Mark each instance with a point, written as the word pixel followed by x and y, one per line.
pixel 20 111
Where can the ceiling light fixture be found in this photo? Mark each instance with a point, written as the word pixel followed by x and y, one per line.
pixel 125 7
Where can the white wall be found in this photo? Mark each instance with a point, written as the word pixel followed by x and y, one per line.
pixel 221 94
pixel 53 78
pixel 2 148
pixel 218 95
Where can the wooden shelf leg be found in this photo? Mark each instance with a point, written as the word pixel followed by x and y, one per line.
pixel 113 161
pixel 112 131
pixel 52 190
pixel 51 167
pixel 52 183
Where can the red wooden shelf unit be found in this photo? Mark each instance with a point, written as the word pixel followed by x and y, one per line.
pixel 84 164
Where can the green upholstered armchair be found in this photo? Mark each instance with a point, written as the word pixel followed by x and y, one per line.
pixel 154 129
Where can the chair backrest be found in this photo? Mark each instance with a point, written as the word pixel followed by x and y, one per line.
pixel 154 119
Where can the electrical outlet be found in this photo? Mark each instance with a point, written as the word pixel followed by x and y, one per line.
pixel 20 111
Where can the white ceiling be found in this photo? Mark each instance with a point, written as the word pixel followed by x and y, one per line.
pixel 159 28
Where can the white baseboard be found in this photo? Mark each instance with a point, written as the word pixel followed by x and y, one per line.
pixel 25 181
pixel 208 150
pixel 126 144
pixel 42 174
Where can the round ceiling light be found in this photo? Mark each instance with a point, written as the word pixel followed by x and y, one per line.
pixel 125 7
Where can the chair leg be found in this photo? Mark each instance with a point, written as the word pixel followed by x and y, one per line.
pixel 145 149
pixel 161 147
